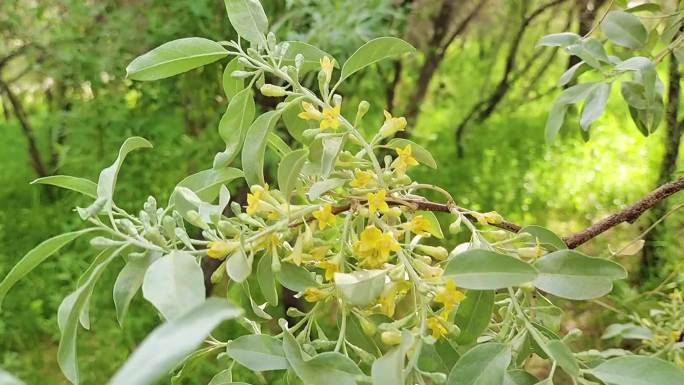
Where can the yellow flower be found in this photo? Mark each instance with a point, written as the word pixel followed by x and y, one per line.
pixel 376 202
pixel 220 249
pixel 273 215
pixel 361 179
pixel 331 118
pixel 438 329
pixel 318 253
pixel 313 294
pixel 404 159
pixel 253 202
pixel 325 217
pixel 330 267
pixel 419 225
pixel 449 296
pixel 392 125
pixel 327 66
pixel 390 295
pixel 310 112
pixel 374 247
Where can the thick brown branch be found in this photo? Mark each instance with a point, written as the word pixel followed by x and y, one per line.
pixel 628 214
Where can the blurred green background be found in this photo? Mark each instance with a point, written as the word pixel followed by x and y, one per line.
pixel 62 66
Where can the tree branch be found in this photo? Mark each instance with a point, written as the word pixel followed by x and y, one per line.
pixel 629 214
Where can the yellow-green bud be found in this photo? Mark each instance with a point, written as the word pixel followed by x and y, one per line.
pixel 362 109
pixel 195 219
pixel 219 273
pixel 437 252
pixel 392 337
pixel 367 326
pixel 498 235
pixel 272 90
pixel 455 226
pixel 528 252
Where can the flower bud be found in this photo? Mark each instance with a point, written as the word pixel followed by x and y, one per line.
pixel 219 273
pixel 392 337
pixel 245 62
pixel 362 109
pixel 241 74
pixel 337 100
pixel 227 228
pixel 493 218
pixel 455 226
pixel 299 60
pixel 294 312
pixel 168 226
pixel 367 326
pixel 194 218
pixel 437 252
pixel 272 90
pixel 271 40
pixel 528 252
pixel 102 242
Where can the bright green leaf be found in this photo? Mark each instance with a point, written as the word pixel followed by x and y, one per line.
pixel 473 315
pixel 248 19
pixel 288 170
pixel 312 56
pixel 255 146
pixel 372 52
pixel 546 237
pixel 267 279
pixel 233 126
pixel 232 85
pixel 482 365
pixel 82 185
pixel 108 176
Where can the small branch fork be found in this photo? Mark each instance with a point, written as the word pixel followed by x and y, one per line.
pixel 629 214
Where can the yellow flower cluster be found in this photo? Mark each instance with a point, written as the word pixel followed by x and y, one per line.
pixel 325 217
pixel 329 118
pixel 404 159
pixel 376 202
pixel 374 247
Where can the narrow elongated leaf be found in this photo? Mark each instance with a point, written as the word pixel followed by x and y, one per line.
pixel 255 147
pixel 206 184
pixel 374 51
pixel 573 275
pixel 557 113
pixel 481 269
pixel 473 315
pixel 421 154
pixel 168 344
pixel 129 281
pixel 319 188
pixel 277 144
pixel 482 365
pixel 248 19
pixel 627 331
pixel 624 29
pixel 594 105
pixel 361 287
pixel 562 39
pixel 82 185
pixel 289 169
pixel 233 126
pixel 232 85
pixel 35 257
pixel 638 370
pixel 174 284
pixel 68 316
pixel 571 73
pixel 560 353
pixel 175 57
pixel 108 176
pixel 267 279
pixel 332 146
pixel 259 353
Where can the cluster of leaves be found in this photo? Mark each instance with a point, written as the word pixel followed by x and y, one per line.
pixel 346 230
pixel 640 86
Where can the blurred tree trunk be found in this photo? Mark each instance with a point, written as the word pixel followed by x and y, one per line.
pixel 651 261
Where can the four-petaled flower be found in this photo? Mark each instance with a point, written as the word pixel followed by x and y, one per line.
pixel 419 225
pixel 314 294
pixel 331 118
pixel 438 329
pixel 449 296
pixel 331 267
pixel 404 159
pixel 253 201
pixel 374 247
pixel 327 65
pixel 325 216
pixel 361 178
pixel 376 202
pixel 392 125
pixel 310 112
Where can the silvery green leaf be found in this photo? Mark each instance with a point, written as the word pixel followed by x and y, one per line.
pixel 108 176
pixel 255 146
pixel 624 29
pixel 562 39
pixel 311 56
pixel 174 284
pixel 82 185
pixel 129 281
pixel 168 344
pixel 481 269
pixel 68 316
pixel 207 183
pixel 175 57
pixel 35 257
pixel 332 145
pixel 374 51
pixel 232 85
pixel 319 188
pixel 638 370
pixel 248 19
pixel 266 279
pixel 288 170
pixel 258 353
pixel 233 126
pixel 295 278
pixel 294 124
pixel 361 287
pixel 570 74
pixel 239 265
pixel 483 364
pixel 277 144
pixel 8 379
pixel 594 105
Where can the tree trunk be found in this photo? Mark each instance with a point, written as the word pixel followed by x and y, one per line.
pixel 652 259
